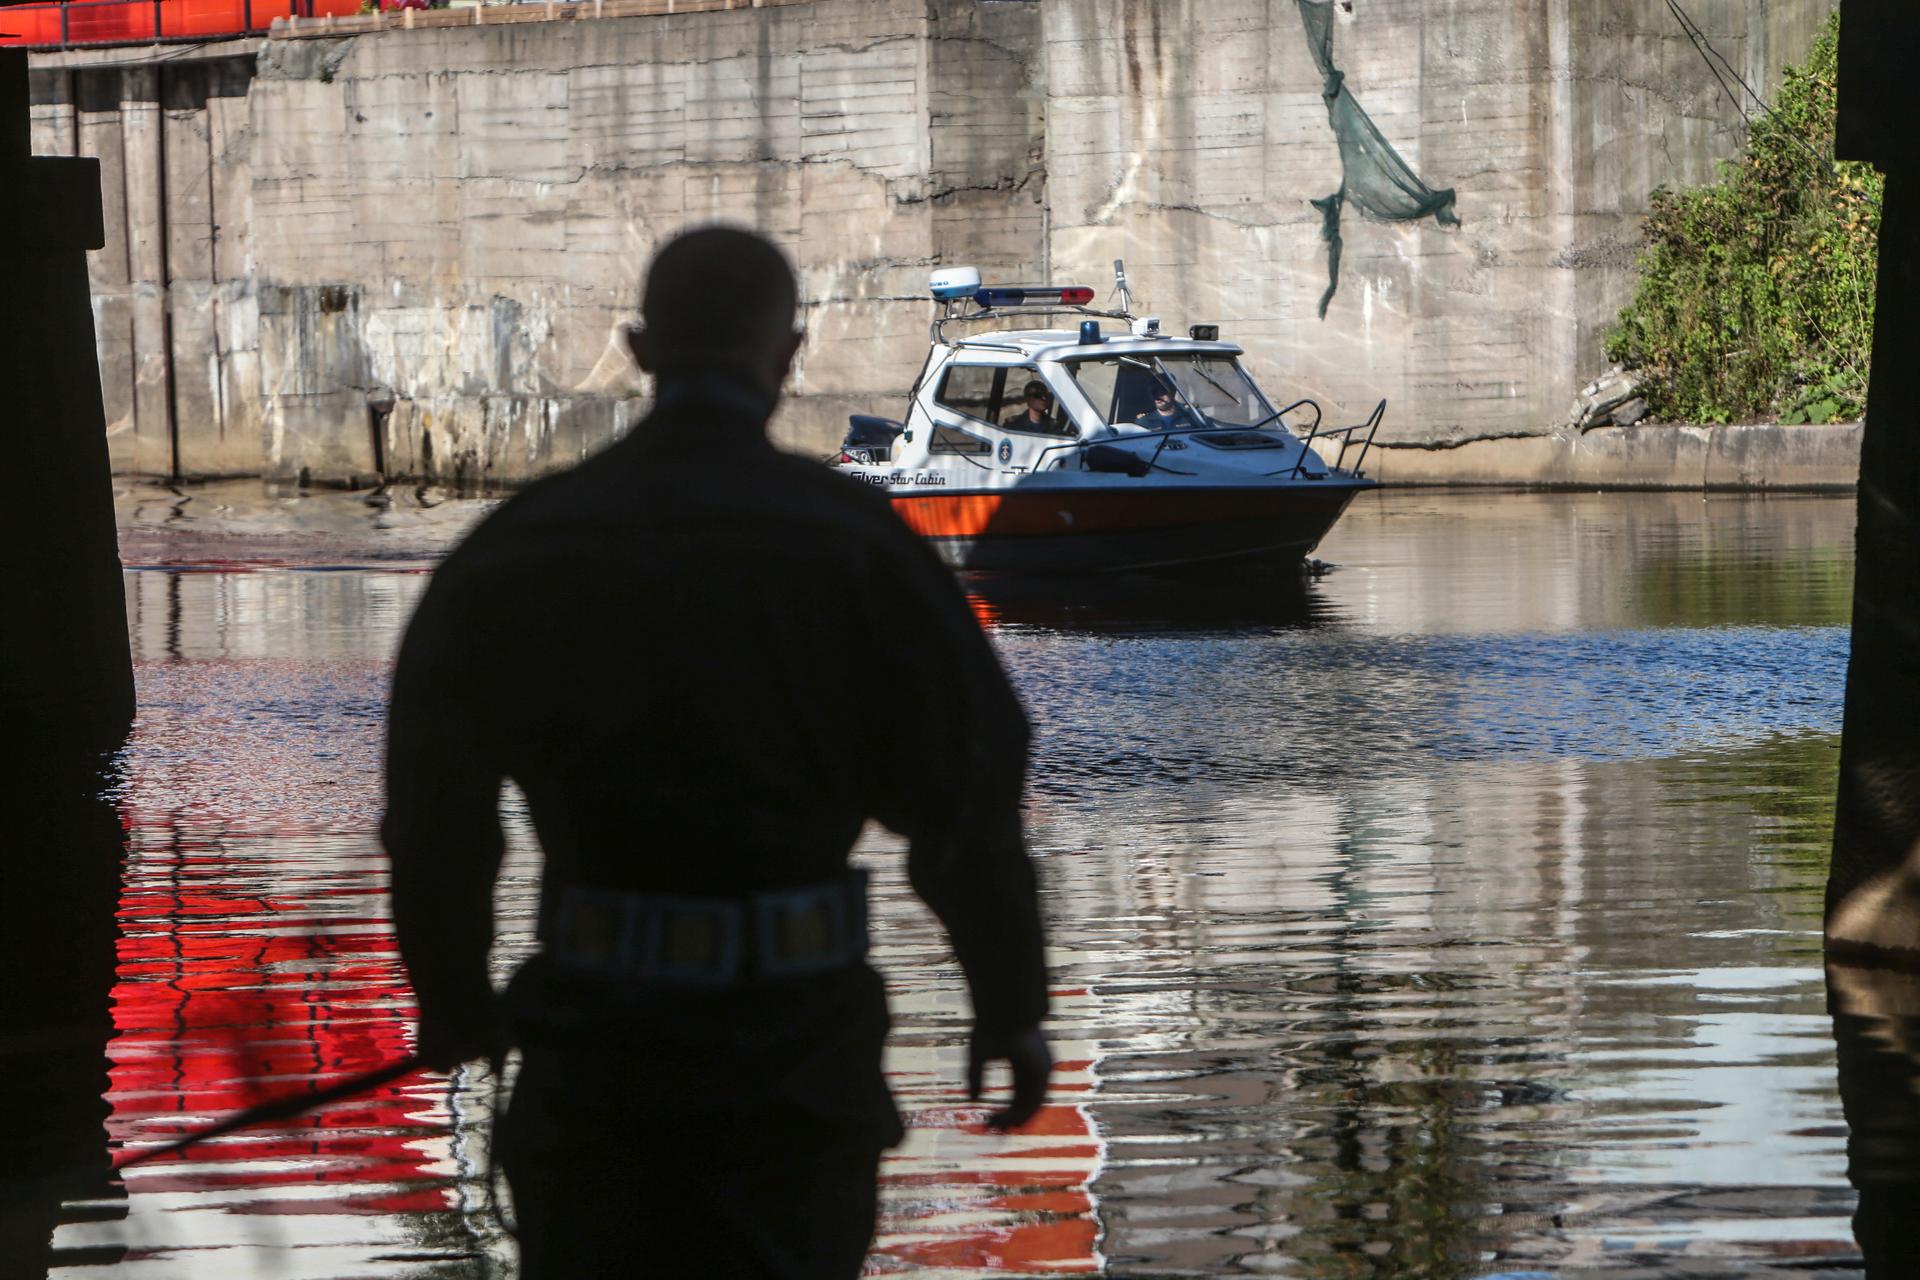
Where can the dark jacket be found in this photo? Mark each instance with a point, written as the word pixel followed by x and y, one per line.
pixel 707 664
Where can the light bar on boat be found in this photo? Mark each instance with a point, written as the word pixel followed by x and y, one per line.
pixel 1071 295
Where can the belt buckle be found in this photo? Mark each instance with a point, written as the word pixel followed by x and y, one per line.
pixel 801 931
pixel 691 941
pixel 592 932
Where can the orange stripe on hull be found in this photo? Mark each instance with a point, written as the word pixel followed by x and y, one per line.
pixel 959 516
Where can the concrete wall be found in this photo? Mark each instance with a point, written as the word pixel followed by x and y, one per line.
pixel 174 289
pixel 1740 456
pixel 1187 136
pixel 457 215
pixel 475 204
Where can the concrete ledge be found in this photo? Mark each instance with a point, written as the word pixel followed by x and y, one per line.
pixel 1758 456
pixel 100 57
pixel 501 14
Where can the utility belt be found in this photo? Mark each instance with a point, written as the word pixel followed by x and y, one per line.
pixel 672 940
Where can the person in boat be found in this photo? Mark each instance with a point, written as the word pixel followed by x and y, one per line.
pixel 1167 413
pixel 1036 413
pixel 657 659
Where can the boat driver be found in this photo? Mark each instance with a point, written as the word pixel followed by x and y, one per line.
pixel 1167 414
pixel 1038 413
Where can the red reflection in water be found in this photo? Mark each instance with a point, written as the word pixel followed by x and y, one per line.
pixel 961 1196
pixel 255 957
pixel 225 997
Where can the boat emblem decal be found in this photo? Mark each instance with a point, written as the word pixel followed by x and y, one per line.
pixel 1006 451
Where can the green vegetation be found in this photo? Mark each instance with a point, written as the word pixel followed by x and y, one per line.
pixel 1756 292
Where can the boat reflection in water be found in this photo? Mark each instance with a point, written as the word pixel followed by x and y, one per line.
pixel 1455 914
pixel 959 1196
pixel 1127 604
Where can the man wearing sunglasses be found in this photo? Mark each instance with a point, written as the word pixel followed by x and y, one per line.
pixel 1167 413
pixel 1036 412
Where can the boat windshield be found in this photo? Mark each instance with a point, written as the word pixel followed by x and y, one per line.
pixel 1165 391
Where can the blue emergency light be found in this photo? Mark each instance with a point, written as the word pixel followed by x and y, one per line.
pixel 1030 295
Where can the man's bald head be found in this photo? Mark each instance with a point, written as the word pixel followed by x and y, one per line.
pixel 718 297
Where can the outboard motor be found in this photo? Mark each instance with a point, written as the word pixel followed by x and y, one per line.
pixel 869 438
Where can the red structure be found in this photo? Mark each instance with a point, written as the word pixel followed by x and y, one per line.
pixel 69 23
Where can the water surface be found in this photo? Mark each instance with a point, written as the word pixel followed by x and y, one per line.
pixel 1453 914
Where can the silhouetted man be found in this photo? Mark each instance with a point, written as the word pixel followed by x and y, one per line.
pixel 707 664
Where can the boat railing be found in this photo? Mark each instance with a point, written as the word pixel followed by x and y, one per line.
pixel 1314 432
pixel 1346 436
pixel 1132 437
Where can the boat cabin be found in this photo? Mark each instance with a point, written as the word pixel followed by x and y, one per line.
pixel 1114 393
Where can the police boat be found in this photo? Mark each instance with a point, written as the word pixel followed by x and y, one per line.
pixel 1107 446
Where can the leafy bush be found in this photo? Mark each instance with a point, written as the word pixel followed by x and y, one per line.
pixel 1756 292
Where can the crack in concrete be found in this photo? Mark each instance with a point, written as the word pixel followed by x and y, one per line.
pixel 1459 442
pixel 1007 184
pixel 337 58
pixel 849 47
pixel 1022 60
pixel 752 164
pixel 1214 215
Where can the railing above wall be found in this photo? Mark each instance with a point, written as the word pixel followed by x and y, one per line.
pixel 66 24
pixel 71 23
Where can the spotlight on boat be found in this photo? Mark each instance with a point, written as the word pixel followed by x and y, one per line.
pixel 1089 332
pixel 1204 332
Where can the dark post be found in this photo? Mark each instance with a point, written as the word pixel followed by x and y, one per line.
pixel 66 33
pixel 65 669
pixel 66 691
pixel 156 19
pixel 246 15
pixel 1873 886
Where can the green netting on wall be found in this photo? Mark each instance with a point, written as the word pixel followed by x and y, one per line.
pixel 1373 177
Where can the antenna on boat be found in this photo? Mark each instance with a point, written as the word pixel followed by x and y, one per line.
pixel 1120 286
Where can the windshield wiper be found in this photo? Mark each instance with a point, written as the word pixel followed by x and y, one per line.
pixel 1202 374
pixel 1233 399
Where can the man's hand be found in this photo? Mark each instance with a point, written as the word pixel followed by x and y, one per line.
pixel 445 1043
pixel 1027 1054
